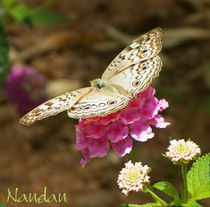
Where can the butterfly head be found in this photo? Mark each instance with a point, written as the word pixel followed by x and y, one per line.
pixel 99 83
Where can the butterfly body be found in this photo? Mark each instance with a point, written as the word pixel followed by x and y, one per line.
pixel 130 73
pixel 99 83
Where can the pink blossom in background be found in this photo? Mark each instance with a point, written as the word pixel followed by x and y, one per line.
pixel 25 88
pixel 95 136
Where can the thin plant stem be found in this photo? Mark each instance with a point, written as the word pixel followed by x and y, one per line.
pixel 184 175
pixel 133 156
pixel 155 197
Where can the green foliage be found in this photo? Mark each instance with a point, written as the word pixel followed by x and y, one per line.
pixel 168 189
pixel 198 178
pixel 44 17
pixel 22 13
pixel 8 3
pixel 2 205
pixel 192 203
pixel 144 205
pixel 4 57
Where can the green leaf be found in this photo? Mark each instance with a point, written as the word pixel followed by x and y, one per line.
pixel 8 3
pixel 20 13
pixel 42 16
pixel 2 205
pixel 144 205
pixel 191 203
pixel 4 54
pixel 198 178
pixel 167 188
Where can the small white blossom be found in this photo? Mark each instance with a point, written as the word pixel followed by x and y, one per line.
pixel 181 151
pixel 132 177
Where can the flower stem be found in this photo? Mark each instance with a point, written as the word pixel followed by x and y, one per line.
pixel 148 189
pixel 184 175
pixel 133 156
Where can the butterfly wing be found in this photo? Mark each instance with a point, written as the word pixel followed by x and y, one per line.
pixel 99 102
pixel 54 106
pixel 143 48
pixel 137 77
pixel 124 74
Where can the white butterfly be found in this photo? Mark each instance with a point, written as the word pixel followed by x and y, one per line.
pixel 129 73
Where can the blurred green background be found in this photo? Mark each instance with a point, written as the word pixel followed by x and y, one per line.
pixel 84 37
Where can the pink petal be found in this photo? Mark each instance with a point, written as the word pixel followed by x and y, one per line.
pixel 95 131
pixel 162 104
pixel 158 121
pixel 117 131
pixel 81 139
pixel 98 147
pixel 130 115
pixel 123 147
pixel 91 120
pixel 149 108
pixel 135 103
pixel 141 131
pixel 148 93
pixel 109 118
pixel 86 157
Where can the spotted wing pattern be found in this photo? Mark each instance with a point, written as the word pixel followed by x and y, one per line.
pixel 100 102
pixel 54 106
pixel 137 77
pixel 143 48
pixel 128 74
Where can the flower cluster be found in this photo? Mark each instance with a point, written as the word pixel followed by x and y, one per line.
pixel 94 136
pixel 133 177
pixel 181 151
pixel 25 88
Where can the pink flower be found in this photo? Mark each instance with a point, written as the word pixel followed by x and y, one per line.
pixel 94 136
pixel 136 103
pixel 130 115
pixel 149 92
pixel 149 108
pixel 82 140
pixel 98 147
pixel 162 104
pixel 123 147
pixel 95 131
pixel 117 131
pixel 86 157
pixel 158 121
pixel 25 88
pixel 109 118
pixel 141 131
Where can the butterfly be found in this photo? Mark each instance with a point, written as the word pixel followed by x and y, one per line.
pixel 130 73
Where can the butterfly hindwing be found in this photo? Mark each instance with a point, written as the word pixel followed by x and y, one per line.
pixel 137 77
pixel 100 102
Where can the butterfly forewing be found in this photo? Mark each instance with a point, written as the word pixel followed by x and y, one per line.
pixel 54 106
pixel 143 48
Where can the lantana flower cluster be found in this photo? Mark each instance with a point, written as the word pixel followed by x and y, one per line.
pixel 133 177
pixel 25 88
pixel 95 136
pixel 181 151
